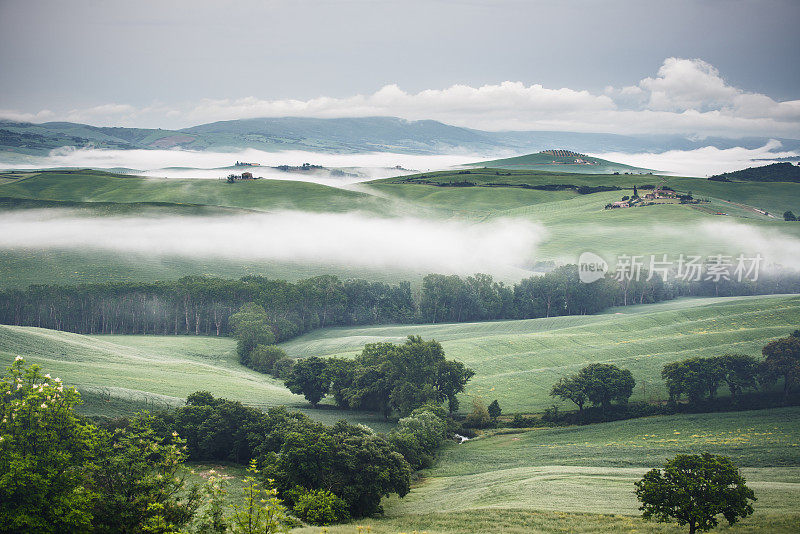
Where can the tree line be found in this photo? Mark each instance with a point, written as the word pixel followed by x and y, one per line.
pixel 199 305
pixel 697 379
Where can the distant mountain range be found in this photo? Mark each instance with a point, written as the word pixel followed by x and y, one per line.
pixel 349 135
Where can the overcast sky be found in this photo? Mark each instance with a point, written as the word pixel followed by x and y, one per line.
pixel 710 67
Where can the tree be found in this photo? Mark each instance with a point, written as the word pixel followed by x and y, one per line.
pixel 310 378
pixel 782 360
pixel 696 377
pixel 740 372
pixel 321 507
pixel 494 410
pixel 261 511
pixel 264 357
pixel 606 383
pixel 789 216
pixel 139 482
pixel 479 416
pixel 694 489
pixel 43 448
pixel 571 388
pixel 250 327
pixel 451 379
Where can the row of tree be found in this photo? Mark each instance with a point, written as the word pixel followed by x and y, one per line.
pixel 384 378
pixel 696 378
pixel 700 378
pixel 203 305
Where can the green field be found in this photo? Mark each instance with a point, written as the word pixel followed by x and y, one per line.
pixel 592 469
pixel 517 362
pixel 100 186
pixel 122 374
pixel 548 162
pixel 580 479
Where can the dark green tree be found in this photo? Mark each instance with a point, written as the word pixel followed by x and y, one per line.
pixel 494 410
pixel 572 388
pixel 251 328
pixel 789 216
pixel 606 383
pixel 782 360
pixel 740 372
pixel 263 357
pixel 310 378
pixel 693 490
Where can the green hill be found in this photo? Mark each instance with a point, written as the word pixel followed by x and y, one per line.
pixel 561 161
pixel 85 185
pixel 120 373
pixel 776 172
pixel 516 362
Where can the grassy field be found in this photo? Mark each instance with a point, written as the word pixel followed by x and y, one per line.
pixel 525 481
pixel 124 374
pixel 99 186
pixel 592 469
pixel 516 362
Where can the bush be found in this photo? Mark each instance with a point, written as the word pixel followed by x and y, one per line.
pixel 321 507
pixel 283 368
pixel 264 357
pixel 479 417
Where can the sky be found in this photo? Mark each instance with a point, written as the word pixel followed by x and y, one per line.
pixel 713 67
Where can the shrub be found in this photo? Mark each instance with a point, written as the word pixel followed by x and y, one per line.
pixel 283 368
pixel 264 357
pixel 321 507
pixel 479 417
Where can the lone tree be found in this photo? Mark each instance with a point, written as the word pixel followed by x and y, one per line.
pixel 694 489
pixel 494 410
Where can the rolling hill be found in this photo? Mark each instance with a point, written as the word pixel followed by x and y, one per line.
pixel 565 161
pixel 517 362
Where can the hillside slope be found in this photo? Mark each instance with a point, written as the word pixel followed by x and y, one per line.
pixel 517 362
pixel 561 161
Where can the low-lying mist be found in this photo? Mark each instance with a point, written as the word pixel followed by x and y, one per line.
pixel 207 164
pixel 351 239
pixel 701 162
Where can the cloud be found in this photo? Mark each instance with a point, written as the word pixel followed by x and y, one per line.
pixel 686 96
pixel 351 239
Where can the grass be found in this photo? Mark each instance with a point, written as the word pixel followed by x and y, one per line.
pixel 524 481
pixel 516 362
pixel 100 186
pixel 124 374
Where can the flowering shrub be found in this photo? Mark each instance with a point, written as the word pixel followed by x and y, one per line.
pixel 42 446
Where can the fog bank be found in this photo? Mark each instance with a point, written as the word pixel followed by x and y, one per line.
pixel 292 236
pixel 701 162
pixel 207 164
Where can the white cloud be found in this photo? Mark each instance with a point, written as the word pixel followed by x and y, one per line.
pixel 686 96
